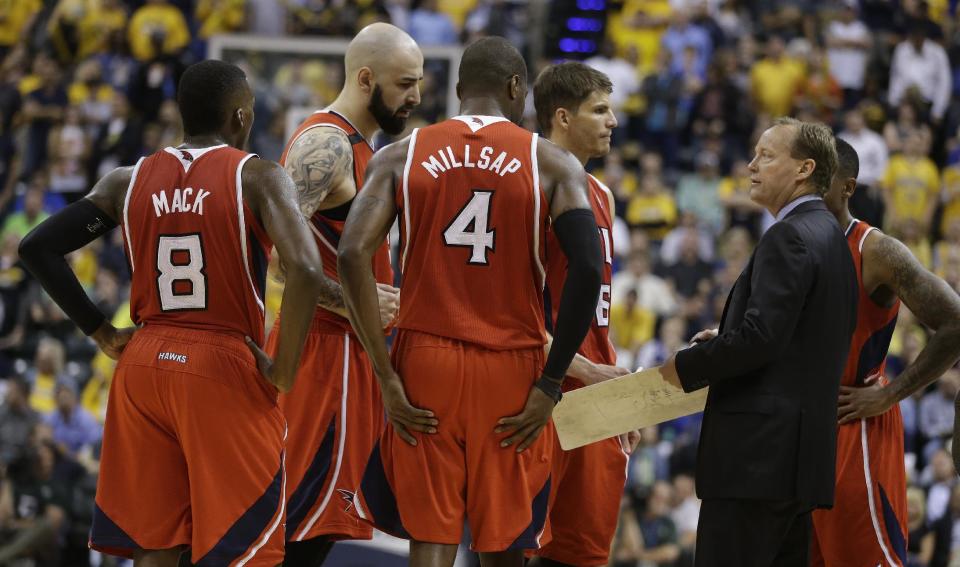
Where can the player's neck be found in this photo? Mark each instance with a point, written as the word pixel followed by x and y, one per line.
pixel 564 143
pixel 847 218
pixel 203 141
pixel 353 109
pixel 481 107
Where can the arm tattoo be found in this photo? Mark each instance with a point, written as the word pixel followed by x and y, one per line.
pixel 331 295
pixel 935 305
pixel 318 160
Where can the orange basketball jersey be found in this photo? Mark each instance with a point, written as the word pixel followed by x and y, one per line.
pixel 472 226
pixel 327 225
pixel 596 346
pixel 875 324
pixel 198 255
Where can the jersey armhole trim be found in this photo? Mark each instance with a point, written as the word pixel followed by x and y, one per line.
pixel 243 230
pixel 864 237
pixel 535 171
pixel 126 211
pixel 406 198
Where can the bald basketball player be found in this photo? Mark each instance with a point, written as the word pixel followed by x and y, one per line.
pixel 335 413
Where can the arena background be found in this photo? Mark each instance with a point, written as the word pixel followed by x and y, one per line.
pixel 89 85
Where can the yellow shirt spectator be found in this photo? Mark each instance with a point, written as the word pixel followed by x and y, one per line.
pixel 630 327
pixel 15 13
pixel 157 16
pixel 951 197
pixel 774 82
pixel 457 10
pixel 220 16
pixel 79 93
pixel 912 184
pixel 655 211
pixel 102 19
pixel 641 24
pixel 94 398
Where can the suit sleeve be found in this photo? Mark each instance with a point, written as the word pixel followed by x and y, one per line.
pixel 781 278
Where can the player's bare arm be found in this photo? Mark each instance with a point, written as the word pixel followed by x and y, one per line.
pixel 272 196
pixel 891 271
pixel 371 216
pixel 43 251
pixel 565 184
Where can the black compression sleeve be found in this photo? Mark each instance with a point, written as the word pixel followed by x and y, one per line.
pixel 577 234
pixel 43 250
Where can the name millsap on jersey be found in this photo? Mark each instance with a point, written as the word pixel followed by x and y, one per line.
pixel 173 356
pixel 180 202
pixel 444 159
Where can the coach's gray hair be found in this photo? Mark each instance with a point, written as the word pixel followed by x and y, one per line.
pixel 814 141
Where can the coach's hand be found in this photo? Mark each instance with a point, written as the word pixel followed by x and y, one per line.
pixel 865 401
pixel 389 299
pixel 528 424
pixel 704 335
pixel 404 416
pixel 112 340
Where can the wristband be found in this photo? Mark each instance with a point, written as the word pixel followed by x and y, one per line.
pixel 550 387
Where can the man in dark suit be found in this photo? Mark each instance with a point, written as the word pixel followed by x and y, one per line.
pixel 768 443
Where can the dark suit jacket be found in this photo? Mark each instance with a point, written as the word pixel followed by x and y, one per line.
pixel 770 424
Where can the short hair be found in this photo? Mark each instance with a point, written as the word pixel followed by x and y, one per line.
pixel 814 141
pixel 487 65
pixel 566 85
pixel 206 89
pixel 848 163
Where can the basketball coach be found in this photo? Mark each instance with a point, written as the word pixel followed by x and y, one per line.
pixel 768 442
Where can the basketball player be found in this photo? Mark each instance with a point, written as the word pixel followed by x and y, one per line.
pixel 573 110
pixel 473 194
pixel 335 414
pixel 868 523
pixel 193 442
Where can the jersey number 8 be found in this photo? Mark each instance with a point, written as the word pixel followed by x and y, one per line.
pixel 182 282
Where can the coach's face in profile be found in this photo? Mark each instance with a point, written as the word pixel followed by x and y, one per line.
pixel 775 175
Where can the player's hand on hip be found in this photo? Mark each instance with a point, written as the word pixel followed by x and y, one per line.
pixel 389 299
pixel 629 441
pixel 704 335
pixel 603 372
pixel 527 425
pixel 865 401
pixel 112 340
pixel 402 414
pixel 264 362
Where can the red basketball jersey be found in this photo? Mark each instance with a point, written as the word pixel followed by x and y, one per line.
pixel 327 225
pixel 198 255
pixel 875 324
pixel 596 346
pixel 472 222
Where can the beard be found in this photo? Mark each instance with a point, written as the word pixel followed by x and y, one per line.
pixel 386 118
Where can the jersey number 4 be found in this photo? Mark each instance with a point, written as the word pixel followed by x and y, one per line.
pixel 182 282
pixel 469 228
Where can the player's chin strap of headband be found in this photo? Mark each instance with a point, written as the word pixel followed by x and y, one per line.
pixel 577 234
pixel 43 250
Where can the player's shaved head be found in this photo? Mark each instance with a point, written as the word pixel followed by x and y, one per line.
pixel 377 46
pixel 848 163
pixel 488 64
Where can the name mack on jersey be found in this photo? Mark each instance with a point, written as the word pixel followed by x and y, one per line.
pixel 180 201
pixel 445 159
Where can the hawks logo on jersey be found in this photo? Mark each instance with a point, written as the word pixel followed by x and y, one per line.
pixel 191 239
pixel 473 220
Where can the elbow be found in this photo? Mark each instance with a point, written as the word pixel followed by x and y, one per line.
pixel 349 257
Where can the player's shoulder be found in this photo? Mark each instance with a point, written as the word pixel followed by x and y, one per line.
pixel 258 173
pixel 321 137
pixel 555 161
pixel 392 155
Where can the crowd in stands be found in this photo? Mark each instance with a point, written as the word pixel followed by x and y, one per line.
pixel 89 85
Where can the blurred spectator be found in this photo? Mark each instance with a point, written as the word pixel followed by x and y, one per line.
pixel 820 95
pixel 652 209
pixel 912 184
pixel 630 327
pixel 912 234
pixel 17 420
pixel 775 79
pixel 119 141
pixel 690 272
pixel 848 47
pixel 267 17
pixel 920 538
pixel 940 479
pixel 157 28
pixel 671 338
pixel 622 74
pixel 18 15
pixel 920 65
pixel 947 252
pixel 950 199
pixel 74 429
pixel 659 544
pixel 14 282
pixel 662 121
pixel 734 194
pixel 69 149
pixel 870 148
pixel 155 81
pixel 686 513
pixel 42 108
pixel 640 25
pixel 699 193
pixel 91 94
pixel 220 16
pixel 43 377
pixel 672 244
pixel 653 294
pixel 896 132
pixel 721 107
pixel 101 19
pixel 936 421
pixel 681 36
pixel 429 26
pixel 21 223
